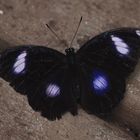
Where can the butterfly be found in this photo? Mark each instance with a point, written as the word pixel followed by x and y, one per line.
pixel 94 77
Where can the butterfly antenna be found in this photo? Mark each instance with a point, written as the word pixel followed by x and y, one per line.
pixel 76 31
pixel 53 32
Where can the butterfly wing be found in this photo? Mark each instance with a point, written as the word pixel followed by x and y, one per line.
pixel 40 73
pixel 105 62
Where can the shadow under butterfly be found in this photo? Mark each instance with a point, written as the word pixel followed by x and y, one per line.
pixel 93 77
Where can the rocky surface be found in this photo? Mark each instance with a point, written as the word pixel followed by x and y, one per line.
pixel 23 22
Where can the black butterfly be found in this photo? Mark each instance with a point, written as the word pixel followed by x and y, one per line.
pixel 93 77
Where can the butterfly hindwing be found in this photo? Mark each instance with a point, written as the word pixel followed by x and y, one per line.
pixel 102 90
pixel 40 73
pixel 106 61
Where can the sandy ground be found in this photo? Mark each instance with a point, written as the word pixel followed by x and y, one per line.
pixel 23 22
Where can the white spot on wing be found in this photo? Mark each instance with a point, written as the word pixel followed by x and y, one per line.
pixel 20 63
pixel 138 32
pixel 22 55
pixel 122 50
pixel 20 68
pixel 52 90
pixel 116 39
pixel 100 83
pixel 120 45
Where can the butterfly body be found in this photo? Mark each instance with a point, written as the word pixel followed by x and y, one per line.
pixel 93 77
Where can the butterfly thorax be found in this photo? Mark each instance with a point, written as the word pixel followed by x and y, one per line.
pixel 70 53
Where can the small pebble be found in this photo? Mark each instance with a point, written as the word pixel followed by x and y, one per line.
pixel 86 22
pixel 1 12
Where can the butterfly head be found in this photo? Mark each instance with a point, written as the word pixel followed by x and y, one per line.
pixel 70 51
